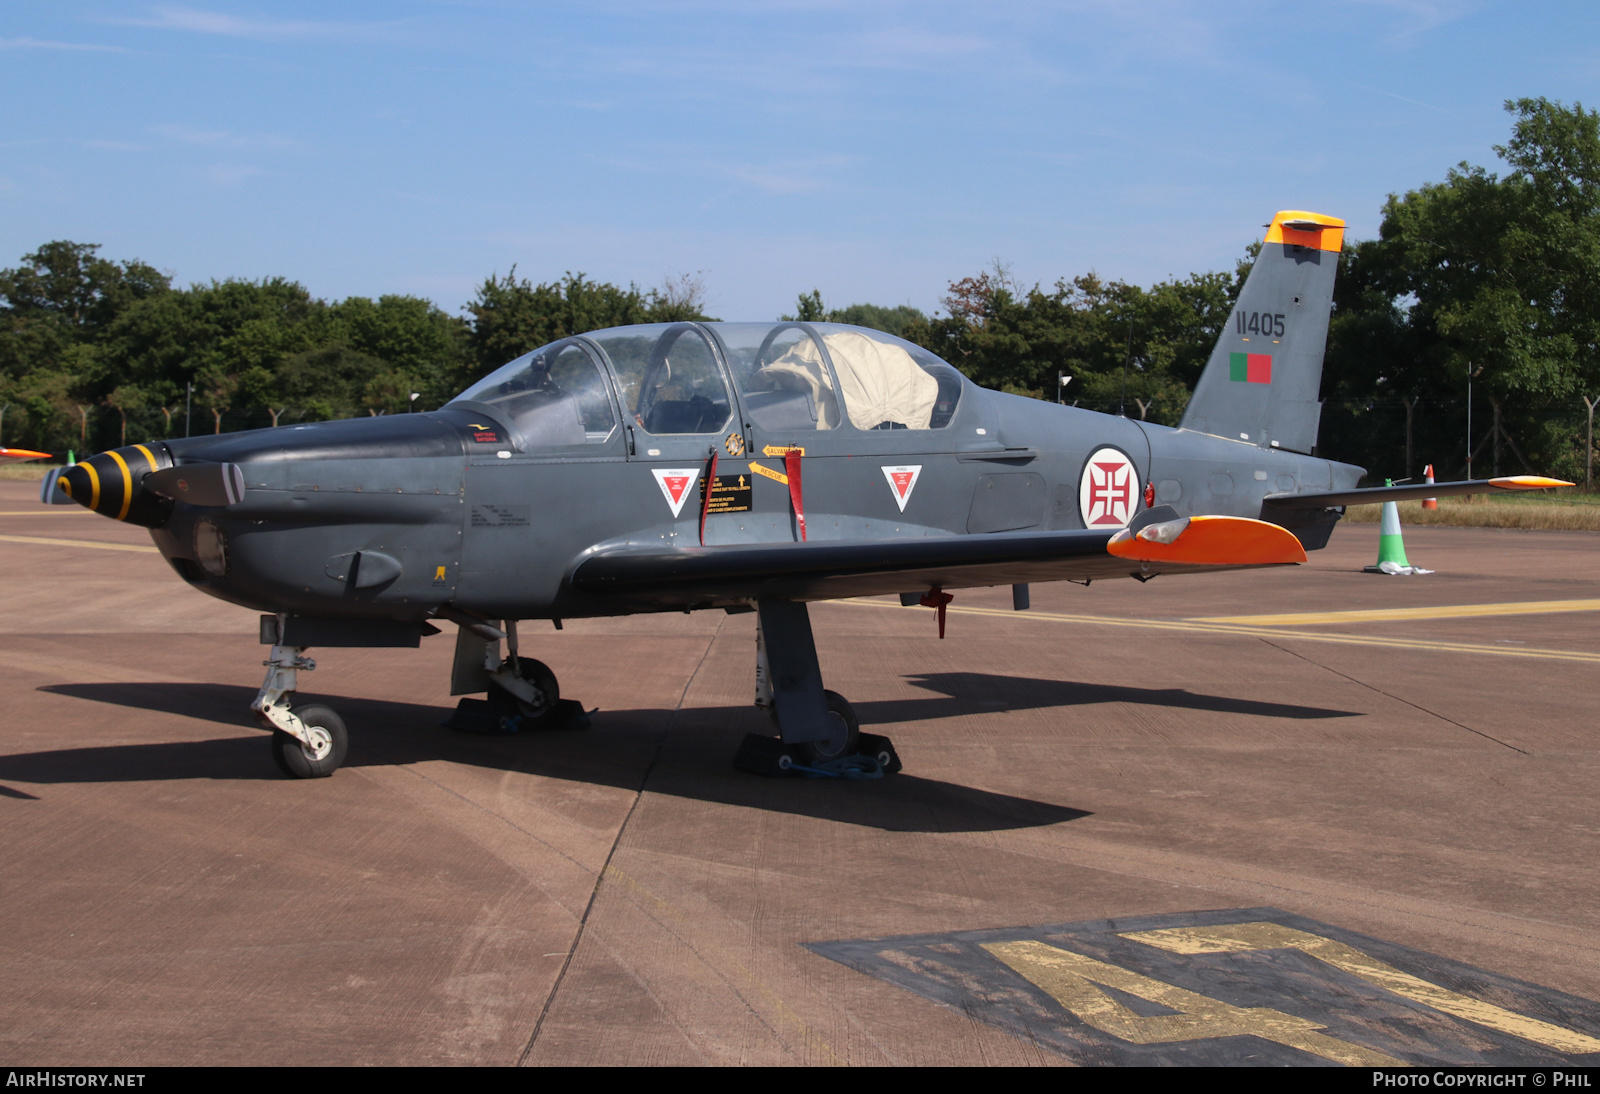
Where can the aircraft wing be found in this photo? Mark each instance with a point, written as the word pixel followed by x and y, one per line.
pixel 832 570
pixel 1414 492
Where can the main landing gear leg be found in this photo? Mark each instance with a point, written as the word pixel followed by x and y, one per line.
pixel 521 693
pixel 818 729
pixel 522 687
pixel 309 741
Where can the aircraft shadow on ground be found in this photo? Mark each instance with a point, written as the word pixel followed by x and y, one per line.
pixel 986 693
pixel 688 754
pixel 621 747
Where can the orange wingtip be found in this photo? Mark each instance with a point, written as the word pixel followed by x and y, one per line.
pixel 1307 229
pixel 1210 541
pixel 1528 482
pixel 23 454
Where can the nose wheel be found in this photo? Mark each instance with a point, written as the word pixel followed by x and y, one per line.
pixel 320 752
pixel 308 741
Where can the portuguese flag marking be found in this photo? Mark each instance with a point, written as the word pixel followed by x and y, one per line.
pixel 1250 368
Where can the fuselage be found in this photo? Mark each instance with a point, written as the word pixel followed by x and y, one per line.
pixel 395 517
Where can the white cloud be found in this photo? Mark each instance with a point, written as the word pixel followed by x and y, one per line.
pixel 41 43
pixel 229 175
pixel 906 47
pixel 76 142
pixel 794 177
pixel 222 138
pixel 1415 17
pixel 195 21
pixel 1402 98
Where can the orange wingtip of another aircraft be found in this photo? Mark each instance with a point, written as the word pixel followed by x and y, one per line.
pixel 1528 482
pixel 23 454
pixel 1210 541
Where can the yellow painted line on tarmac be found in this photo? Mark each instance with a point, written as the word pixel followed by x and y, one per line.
pixel 1074 980
pixel 46 541
pixel 1244 937
pixel 1192 627
pixel 1382 615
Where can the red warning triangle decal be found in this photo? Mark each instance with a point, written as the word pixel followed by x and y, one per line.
pixel 902 480
pixel 675 483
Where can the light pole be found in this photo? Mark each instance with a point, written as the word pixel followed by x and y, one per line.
pixel 412 405
pixel 1062 380
pixel 1470 375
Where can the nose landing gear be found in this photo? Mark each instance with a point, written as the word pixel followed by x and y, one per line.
pixel 320 752
pixel 308 741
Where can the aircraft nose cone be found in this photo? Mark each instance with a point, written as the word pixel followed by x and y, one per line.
pixel 110 484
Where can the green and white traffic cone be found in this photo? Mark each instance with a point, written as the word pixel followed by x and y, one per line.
pixel 1391 547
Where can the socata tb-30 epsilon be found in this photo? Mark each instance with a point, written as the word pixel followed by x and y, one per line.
pixel 736 466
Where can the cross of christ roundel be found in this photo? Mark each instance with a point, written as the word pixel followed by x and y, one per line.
pixel 1108 490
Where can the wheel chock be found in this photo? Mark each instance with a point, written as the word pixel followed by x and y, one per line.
pixel 491 720
pixel 768 756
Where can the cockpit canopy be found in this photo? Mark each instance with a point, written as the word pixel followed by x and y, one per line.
pixel 674 379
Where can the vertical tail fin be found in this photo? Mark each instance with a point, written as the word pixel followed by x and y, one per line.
pixel 1262 380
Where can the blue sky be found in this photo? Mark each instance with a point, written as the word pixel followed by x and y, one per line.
pixel 875 151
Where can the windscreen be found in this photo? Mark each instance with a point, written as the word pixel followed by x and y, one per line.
pixel 554 397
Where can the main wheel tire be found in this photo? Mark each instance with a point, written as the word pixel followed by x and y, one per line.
pixel 320 758
pixel 846 738
pixel 546 688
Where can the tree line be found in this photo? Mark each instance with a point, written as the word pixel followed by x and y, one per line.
pixel 94 353
pixel 1484 281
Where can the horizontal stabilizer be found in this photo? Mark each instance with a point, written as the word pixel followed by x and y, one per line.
pixel 1414 492
pixel 1209 541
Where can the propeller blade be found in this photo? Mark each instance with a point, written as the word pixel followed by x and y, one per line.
pixel 217 484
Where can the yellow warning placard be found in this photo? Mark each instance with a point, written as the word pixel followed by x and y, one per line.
pixel 730 494
pixel 782 450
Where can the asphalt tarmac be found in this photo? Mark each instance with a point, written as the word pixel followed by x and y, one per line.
pixel 1138 823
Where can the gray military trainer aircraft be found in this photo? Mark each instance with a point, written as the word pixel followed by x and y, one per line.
pixel 742 467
